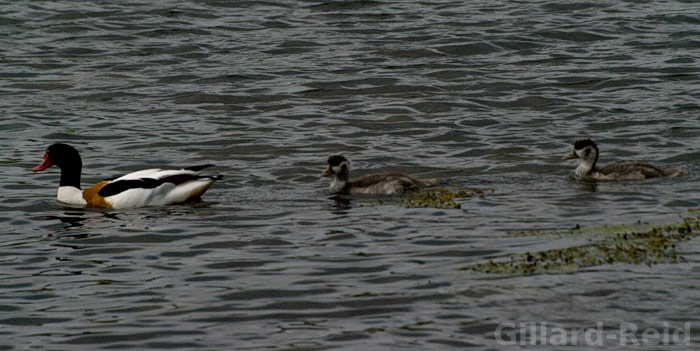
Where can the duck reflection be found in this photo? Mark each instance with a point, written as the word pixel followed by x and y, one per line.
pixel 586 185
pixel 341 204
pixel 72 219
pixel 75 219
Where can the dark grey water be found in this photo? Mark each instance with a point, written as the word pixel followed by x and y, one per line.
pixel 477 94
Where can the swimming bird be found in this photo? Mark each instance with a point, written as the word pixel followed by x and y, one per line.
pixel 587 151
pixel 150 187
pixel 371 184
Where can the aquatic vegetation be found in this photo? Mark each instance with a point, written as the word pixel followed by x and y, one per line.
pixel 442 198
pixel 626 244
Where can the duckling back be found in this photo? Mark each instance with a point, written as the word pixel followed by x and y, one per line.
pixel 635 170
pixel 386 184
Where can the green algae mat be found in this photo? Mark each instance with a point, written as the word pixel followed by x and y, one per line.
pixel 442 198
pixel 646 244
pixel 609 244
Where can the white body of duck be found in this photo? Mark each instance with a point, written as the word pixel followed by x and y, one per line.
pixel 587 151
pixel 371 184
pixel 150 187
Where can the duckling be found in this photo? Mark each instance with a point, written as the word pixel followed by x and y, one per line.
pixel 587 151
pixel 371 184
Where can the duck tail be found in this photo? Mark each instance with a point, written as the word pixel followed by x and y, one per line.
pixel 674 172
pixel 198 167
pixel 428 182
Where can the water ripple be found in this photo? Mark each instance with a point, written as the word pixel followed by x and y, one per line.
pixel 486 96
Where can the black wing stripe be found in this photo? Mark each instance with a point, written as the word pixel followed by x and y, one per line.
pixel 199 168
pixel 119 186
pixel 179 178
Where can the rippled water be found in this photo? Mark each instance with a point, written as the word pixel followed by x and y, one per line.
pixel 477 94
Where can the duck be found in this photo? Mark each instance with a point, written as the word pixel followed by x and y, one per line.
pixel 148 187
pixel 371 184
pixel 587 151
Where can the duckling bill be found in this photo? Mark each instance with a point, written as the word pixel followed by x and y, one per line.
pixel 371 184
pixel 587 151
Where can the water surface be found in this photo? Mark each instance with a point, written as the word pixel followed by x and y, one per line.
pixel 478 95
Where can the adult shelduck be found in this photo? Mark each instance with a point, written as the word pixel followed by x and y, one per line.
pixel 150 187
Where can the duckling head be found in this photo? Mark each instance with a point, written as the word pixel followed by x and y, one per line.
pixel 339 166
pixel 587 151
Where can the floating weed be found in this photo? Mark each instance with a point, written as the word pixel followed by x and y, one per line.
pixel 10 161
pixel 627 244
pixel 586 232
pixel 442 198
